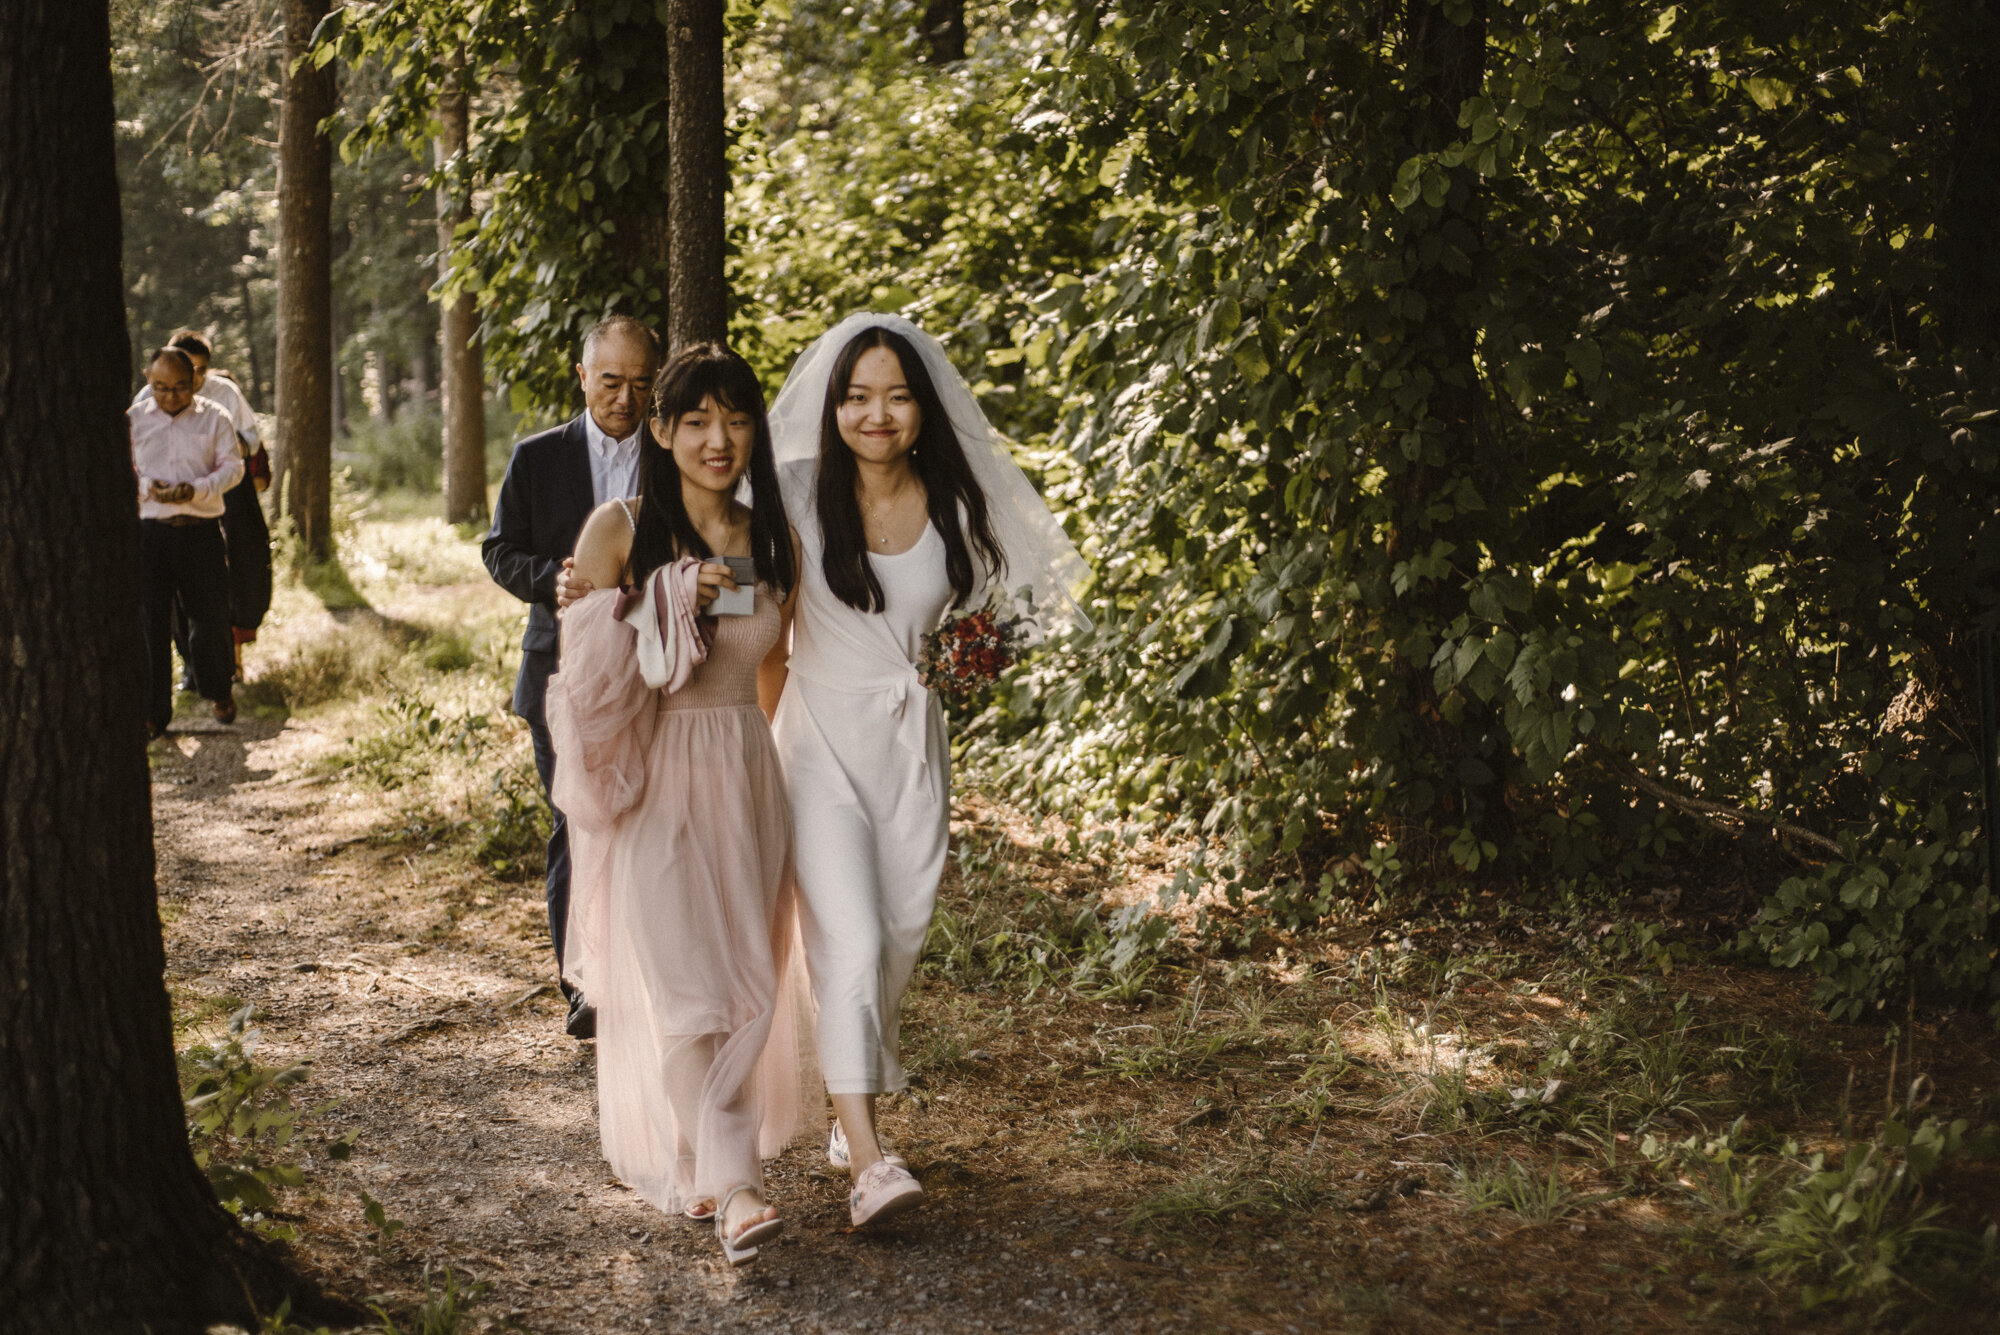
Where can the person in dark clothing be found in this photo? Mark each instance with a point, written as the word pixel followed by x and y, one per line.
pixel 185 457
pixel 246 536
pixel 554 480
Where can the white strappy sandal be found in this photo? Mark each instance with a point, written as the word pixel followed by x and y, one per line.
pixel 743 1247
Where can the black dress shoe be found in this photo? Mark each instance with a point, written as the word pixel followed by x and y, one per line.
pixel 582 1022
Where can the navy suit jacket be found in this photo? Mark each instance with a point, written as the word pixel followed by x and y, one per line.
pixel 543 502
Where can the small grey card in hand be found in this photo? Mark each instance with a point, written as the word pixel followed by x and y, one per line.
pixel 743 601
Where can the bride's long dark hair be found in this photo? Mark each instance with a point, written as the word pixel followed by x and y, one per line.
pixel 938 461
pixel 664 532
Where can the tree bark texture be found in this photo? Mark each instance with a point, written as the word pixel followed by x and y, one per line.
pixel 464 370
pixel 106 1225
pixel 305 285
pixel 697 300
pixel 944 31
pixel 1445 63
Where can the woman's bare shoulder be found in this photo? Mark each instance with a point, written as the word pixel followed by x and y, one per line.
pixel 606 541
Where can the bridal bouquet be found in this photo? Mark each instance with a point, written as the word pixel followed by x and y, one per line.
pixel 968 652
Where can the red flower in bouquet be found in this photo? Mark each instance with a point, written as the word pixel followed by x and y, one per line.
pixel 969 652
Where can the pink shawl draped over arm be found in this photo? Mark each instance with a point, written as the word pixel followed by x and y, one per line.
pixel 618 648
pixel 619 651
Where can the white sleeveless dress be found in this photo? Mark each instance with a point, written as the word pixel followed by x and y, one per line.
pixel 868 766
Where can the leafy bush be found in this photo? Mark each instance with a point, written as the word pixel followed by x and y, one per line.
pixel 513 829
pixel 415 735
pixel 241 1123
pixel 405 453
pixel 1855 1227
pixel 1873 926
pixel 1851 1227
pixel 1441 490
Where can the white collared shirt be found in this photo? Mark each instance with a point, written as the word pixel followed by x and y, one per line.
pixel 225 394
pixel 198 445
pixel 614 464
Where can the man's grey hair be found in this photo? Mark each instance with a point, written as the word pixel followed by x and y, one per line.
pixel 621 326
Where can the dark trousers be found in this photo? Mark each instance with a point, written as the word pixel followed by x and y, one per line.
pixel 531 690
pixel 185 564
pixel 246 538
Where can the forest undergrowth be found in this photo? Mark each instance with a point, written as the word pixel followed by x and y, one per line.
pixel 1439 1109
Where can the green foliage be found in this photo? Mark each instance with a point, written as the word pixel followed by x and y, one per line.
pixel 377 1217
pixel 445 1309
pixel 1856 1227
pixel 570 163
pixel 198 89
pixel 513 830
pixel 415 735
pixel 404 453
pixel 1537 1198
pixel 866 180
pixel 1005 936
pixel 241 1123
pixel 196 224
pixel 1871 926
pixel 1466 424
pixel 1120 1138
pixel 1211 1199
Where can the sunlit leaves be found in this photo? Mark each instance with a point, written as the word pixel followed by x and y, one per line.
pixel 1691 517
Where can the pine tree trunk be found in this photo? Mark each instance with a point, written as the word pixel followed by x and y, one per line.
pixel 1446 62
pixel 305 286
pixel 464 370
pixel 107 1226
pixel 944 32
pixel 697 300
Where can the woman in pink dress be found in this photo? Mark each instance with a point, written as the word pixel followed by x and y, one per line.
pixel 684 903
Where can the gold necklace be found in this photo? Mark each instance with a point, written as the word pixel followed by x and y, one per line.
pixel 882 541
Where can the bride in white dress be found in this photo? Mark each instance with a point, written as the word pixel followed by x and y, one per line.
pixel 907 506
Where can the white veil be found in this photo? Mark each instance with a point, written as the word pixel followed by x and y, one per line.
pixel 1040 557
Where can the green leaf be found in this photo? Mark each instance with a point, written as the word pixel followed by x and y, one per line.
pixel 1769 94
pixel 1586 359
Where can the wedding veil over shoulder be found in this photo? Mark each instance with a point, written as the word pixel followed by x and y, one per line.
pixel 1040 556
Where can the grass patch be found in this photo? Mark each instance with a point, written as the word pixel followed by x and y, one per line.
pixel 1223 1195
pixel 1508 1184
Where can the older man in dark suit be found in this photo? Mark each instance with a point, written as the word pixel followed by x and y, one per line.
pixel 553 482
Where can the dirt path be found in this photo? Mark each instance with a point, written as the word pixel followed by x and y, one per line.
pixel 413 998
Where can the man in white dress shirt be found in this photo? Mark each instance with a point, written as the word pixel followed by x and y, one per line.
pixel 246 537
pixel 185 455
pixel 553 482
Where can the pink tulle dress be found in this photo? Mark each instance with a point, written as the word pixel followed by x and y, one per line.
pixel 683 923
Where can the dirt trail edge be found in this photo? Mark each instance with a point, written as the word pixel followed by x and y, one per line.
pixel 411 989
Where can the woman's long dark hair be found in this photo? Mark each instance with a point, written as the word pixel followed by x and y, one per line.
pixel 939 462
pixel 664 533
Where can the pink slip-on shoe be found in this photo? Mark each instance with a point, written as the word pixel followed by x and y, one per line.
pixel 883 1191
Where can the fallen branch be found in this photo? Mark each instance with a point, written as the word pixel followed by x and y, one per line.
pixel 419 1026
pixel 1696 806
pixel 532 992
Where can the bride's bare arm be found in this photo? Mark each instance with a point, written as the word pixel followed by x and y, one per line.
pixel 771 673
pixel 602 551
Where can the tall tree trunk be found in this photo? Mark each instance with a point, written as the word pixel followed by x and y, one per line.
pixel 944 31
pixel 464 369
pixel 1446 63
pixel 305 285
pixel 697 300
pixel 256 363
pixel 108 1226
